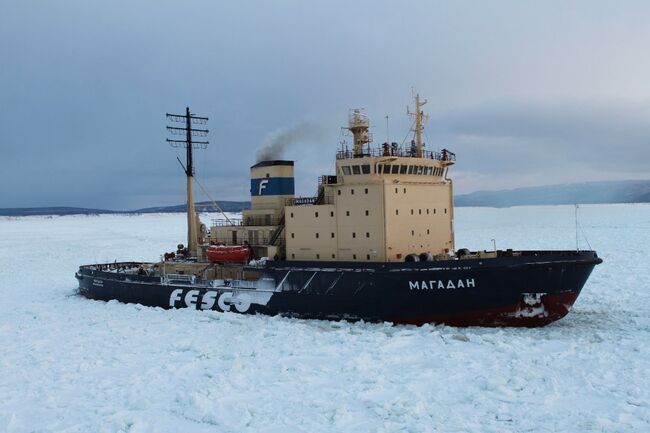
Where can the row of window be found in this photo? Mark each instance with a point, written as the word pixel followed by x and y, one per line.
pixel 347 212
pixel 392 169
pixel 365 190
pixel 354 235
pixel 420 211
pixel 354 256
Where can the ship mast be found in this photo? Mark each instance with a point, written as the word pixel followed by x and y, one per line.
pixel 358 124
pixel 188 118
pixel 420 117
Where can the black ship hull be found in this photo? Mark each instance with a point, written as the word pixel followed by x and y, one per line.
pixel 529 288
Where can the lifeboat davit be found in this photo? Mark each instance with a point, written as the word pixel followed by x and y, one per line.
pixel 224 253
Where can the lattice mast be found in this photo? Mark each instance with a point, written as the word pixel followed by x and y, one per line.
pixel 418 126
pixel 188 118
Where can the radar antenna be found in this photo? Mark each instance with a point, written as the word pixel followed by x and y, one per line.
pixel 188 131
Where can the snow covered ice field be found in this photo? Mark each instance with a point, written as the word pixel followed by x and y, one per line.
pixel 69 364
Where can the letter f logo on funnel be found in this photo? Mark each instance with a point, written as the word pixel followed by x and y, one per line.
pixel 263 184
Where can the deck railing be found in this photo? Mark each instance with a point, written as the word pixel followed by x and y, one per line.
pixel 443 155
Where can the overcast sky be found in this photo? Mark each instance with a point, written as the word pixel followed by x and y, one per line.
pixel 526 93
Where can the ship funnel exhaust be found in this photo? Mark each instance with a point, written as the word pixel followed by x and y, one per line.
pixel 278 141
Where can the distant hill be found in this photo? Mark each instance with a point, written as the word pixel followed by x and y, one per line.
pixel 227 206
pixel 628 191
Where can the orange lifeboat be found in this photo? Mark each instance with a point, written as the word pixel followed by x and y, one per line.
pixel 224 253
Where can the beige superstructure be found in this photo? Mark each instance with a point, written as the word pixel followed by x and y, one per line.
pixel 380 205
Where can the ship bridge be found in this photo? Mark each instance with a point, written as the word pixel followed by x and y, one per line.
pixel 381 205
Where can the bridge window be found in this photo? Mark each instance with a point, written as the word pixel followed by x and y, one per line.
pixel 365 169
pixel 410 169
pixel 420 169
pixel 386 168
pixel 356 169
pixel 346 170
pixel 378 169
pixel 394 169
pixel 402 169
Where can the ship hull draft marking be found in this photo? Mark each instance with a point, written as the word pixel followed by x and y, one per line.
pixel 375 242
